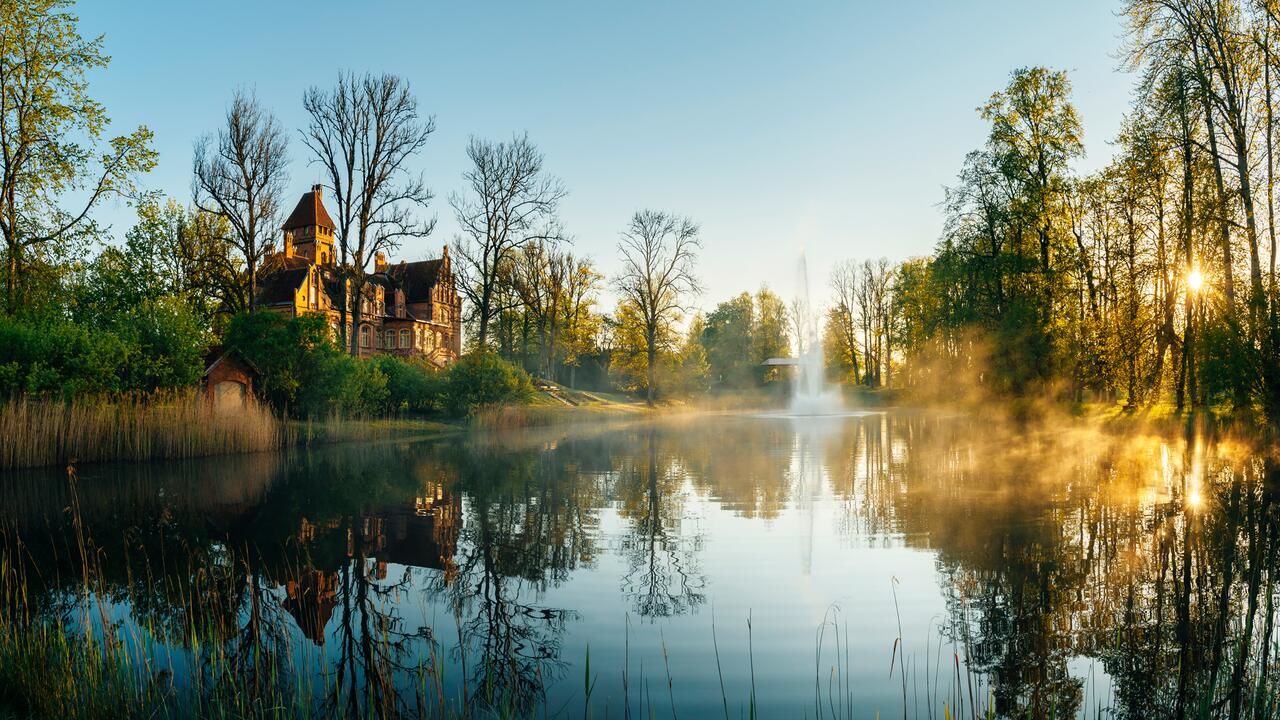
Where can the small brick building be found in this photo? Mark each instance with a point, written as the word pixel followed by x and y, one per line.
pixel 228 379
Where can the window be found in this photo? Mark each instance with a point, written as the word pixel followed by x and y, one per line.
pixel 312 302
pixel 366 336
pixel 406 341
pixel 389 340
pixel 377 339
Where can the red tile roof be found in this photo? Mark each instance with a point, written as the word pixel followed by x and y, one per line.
pixel 309 211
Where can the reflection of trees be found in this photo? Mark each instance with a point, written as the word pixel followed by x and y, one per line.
pixel 529 523
pixel 374 644
pixel 663 578
pixel 751 478
pixel 1156 559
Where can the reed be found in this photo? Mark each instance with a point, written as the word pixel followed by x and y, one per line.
pixel 156 426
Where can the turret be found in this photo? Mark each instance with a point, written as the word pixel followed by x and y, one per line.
pixel 309 229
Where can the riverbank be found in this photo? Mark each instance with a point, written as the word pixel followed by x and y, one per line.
pixel 183 425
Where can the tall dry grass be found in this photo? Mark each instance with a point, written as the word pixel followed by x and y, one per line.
pixel 37 432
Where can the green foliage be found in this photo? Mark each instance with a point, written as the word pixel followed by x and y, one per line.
pixel 58 357
pixel 483 378
pixel 412 385
pixel 740 334
pixel 54 137
pixel 728 341
pixel 166 344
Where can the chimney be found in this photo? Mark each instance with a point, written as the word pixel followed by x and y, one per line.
pixel 319 191
pixel 288 243
pixel 445 255
pixel 379 262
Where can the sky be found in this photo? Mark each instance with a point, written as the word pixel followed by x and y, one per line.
pixel 822 129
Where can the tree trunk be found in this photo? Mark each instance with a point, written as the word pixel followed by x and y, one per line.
pixel 651 352
pixel 11 280
pixel 357 313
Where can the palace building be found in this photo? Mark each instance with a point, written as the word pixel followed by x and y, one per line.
pixel 411 309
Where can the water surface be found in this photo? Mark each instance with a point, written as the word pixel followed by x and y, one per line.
pixel 886 562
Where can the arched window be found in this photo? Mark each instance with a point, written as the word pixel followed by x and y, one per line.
pixel 406 339
pixel 366 336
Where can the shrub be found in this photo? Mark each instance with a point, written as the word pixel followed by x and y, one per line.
pixel 483 378
pixel 58 357
pixel 412 385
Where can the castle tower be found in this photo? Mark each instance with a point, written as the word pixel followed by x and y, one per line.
pixel 311 228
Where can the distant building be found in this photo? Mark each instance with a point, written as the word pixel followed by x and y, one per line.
pixel 409 308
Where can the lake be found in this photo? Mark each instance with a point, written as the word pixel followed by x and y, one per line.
pixel 897 562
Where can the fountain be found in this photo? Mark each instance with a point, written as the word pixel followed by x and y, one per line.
pixel 811 394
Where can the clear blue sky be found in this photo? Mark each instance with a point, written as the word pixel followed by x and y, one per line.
pixel 823 127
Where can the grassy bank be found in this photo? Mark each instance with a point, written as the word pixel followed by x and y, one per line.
pixel 557 405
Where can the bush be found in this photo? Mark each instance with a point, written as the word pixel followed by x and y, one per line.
pixel 483 378
pixel 58 357
pixel 412 385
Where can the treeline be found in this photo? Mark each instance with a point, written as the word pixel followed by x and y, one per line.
pixel 1151 280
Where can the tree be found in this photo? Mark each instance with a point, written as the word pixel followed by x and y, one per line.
pixel 511 202
pixel 364 133
pixel 844 283
pixel 1035 133
pixel 768 332
pixel 51 133
pixel 240 175
pixel 185 253
pixel 658 252
pixel 582 325
pixel 727 338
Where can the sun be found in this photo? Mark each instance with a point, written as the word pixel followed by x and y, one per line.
pixel 1195 280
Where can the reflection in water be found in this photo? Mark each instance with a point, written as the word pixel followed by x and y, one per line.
pixel 1039 574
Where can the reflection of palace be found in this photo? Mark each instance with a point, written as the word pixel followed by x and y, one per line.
pixel 420 534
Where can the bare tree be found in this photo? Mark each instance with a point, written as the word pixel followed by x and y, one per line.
pixel 540 276
pixel 658 251
pixel 364 133
pixel 240 176
pixel 845 283
pixel 510 203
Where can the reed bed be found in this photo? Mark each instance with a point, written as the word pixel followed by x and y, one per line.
pixel 35 432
